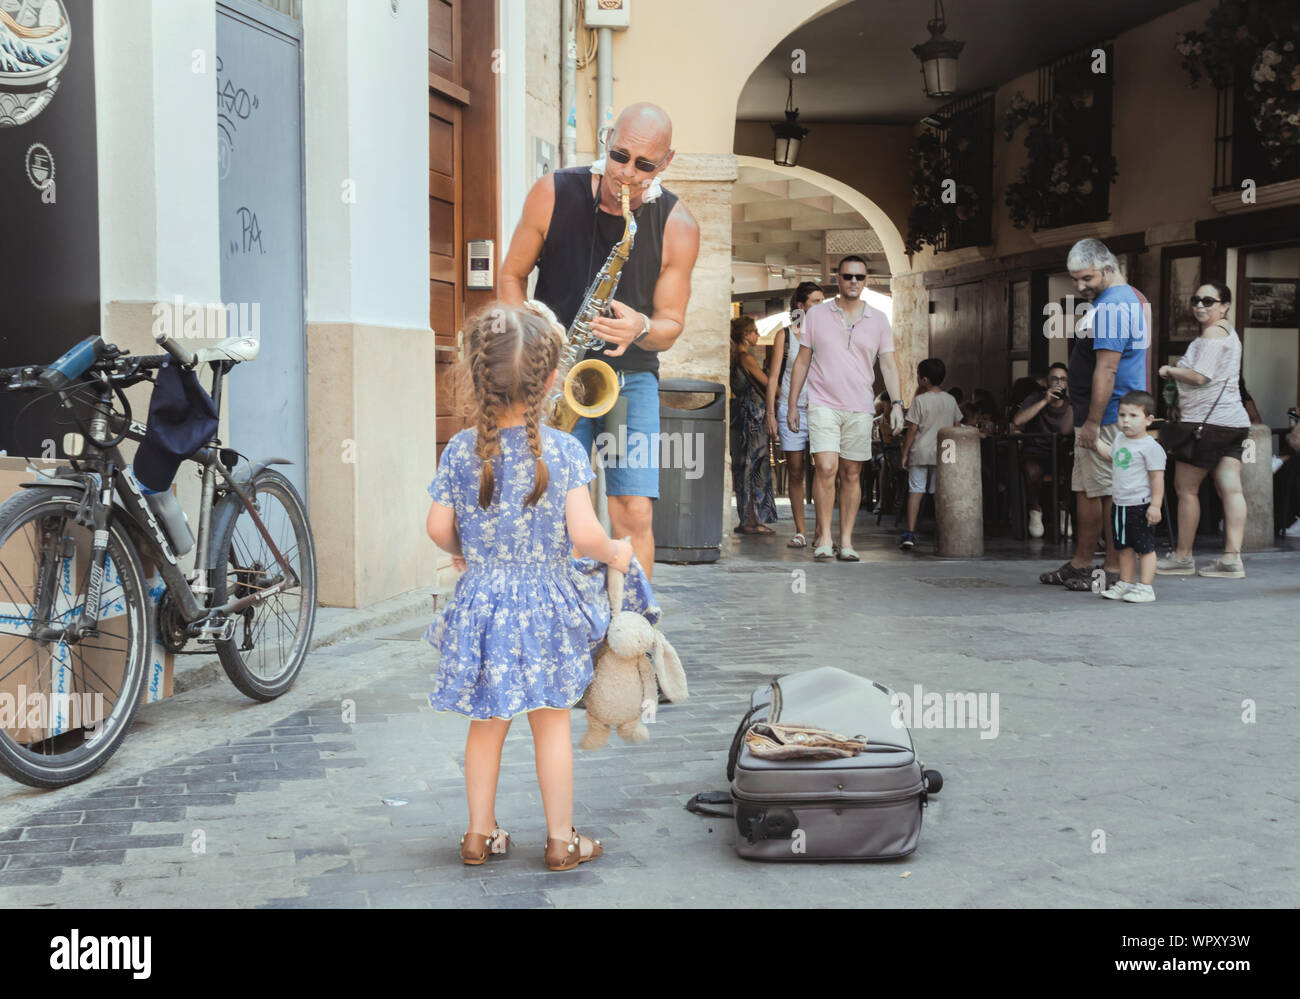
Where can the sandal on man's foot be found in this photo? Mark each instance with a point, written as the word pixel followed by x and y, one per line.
pixel 565 855
pixel 1061 576
pixel 798 541
pixel 823 552
pixel 1084 583
pixel 847 555
pixel 475 848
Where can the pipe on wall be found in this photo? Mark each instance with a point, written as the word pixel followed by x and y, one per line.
pixel 569 85
pixel 604 80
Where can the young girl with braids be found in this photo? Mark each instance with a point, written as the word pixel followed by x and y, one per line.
pixel 510 502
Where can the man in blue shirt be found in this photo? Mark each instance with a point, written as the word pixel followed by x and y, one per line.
pixel 1109 360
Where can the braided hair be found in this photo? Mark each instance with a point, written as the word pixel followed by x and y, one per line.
pixel 508 355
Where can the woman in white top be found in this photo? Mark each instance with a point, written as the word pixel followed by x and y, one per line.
pixel 1208 378
pixel 793 443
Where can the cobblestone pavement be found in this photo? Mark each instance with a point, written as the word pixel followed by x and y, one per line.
pixel 1119 719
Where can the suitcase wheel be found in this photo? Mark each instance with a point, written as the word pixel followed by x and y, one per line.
pixel 933 781
pixel 763 823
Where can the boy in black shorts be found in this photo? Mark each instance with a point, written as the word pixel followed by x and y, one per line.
pixel 1137 496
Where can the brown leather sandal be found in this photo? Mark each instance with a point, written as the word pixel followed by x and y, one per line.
pixel 565 855
pixel 475 848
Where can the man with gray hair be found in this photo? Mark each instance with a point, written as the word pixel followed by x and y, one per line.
pixel 1109 359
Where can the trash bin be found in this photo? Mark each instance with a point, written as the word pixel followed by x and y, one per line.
pixel 688 513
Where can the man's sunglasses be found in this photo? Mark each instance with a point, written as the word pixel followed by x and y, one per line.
pixel 622 155
pixel 853 277
pixel 1207 302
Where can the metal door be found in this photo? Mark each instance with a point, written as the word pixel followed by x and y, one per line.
pixel 260 164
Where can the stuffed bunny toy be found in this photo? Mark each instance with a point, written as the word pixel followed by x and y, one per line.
pixel 623 694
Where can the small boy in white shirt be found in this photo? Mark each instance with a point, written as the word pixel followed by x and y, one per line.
pixel 1137 496
pixel 932 409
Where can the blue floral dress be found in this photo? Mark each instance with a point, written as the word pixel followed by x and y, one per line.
pixel 525 617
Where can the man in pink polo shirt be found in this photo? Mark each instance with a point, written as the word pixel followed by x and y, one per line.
pixel 838 347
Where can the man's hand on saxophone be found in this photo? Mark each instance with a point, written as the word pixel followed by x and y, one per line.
pixel 622 330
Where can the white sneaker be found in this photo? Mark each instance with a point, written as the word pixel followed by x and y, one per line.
pixel 1035 523
pixel 1293 531
pixel 1140 595
pixel 1117 591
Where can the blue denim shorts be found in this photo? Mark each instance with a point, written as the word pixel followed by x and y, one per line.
pixel 630 456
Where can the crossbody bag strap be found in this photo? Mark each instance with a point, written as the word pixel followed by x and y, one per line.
pixel 1201 426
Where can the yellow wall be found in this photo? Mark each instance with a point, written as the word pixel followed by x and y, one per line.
pixel 693 59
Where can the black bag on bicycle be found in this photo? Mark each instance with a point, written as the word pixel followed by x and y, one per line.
pixel 182 418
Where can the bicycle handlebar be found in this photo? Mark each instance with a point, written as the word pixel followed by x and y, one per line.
pixel 119 366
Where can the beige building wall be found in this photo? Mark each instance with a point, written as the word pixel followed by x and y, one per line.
pixel 371 433
pixel 542 85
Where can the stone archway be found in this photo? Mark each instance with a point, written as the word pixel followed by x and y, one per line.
pixel 890 238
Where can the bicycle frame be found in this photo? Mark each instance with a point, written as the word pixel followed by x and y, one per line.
pixel 106 470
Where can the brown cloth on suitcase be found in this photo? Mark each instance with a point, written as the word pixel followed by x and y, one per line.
pixel 800 742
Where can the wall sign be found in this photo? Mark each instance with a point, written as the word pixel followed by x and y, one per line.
pixel 49 254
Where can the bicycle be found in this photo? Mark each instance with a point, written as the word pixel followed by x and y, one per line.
pixel 70 570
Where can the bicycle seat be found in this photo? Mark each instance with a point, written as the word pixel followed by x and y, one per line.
pixel 237 348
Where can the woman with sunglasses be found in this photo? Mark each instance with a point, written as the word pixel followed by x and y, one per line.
pixel 1208 380
pixel 793 443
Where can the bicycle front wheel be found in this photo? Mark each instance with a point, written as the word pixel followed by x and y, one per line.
pixel 65 705
pixel 272 637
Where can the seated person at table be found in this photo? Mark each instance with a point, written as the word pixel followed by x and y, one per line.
pixel 1042 414
pixel 989 410
pixel 882 435
pixel 932 409
pixel 1025 387
pixel 881 431
pixel 972 417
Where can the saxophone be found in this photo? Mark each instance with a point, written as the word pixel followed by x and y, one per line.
pixel 590 387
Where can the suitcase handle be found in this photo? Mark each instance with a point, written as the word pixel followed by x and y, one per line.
pixel 711 803
pixel 738 740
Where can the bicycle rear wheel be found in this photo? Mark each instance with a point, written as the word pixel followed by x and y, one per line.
pixel 65 706
pixel 272 638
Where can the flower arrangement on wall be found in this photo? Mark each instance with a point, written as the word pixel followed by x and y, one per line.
pixel 932 214
pixel 1264 34
pixel 1058 185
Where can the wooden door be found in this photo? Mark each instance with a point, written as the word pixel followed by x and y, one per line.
pixel 957 337
pixel 447 100
pixel 463 187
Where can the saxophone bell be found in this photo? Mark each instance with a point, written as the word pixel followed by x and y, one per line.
pixel 590 387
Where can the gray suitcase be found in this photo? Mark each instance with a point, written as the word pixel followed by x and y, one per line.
pixel 866 807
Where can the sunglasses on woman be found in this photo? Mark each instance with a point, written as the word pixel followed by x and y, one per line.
pixel 1207 302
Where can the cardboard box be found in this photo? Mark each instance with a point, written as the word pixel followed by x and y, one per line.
pixel 66 691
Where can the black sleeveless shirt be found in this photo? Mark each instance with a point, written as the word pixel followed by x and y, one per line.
pixel 579 239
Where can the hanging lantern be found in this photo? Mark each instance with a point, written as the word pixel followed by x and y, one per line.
pixel 938 58
pixel 789 134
